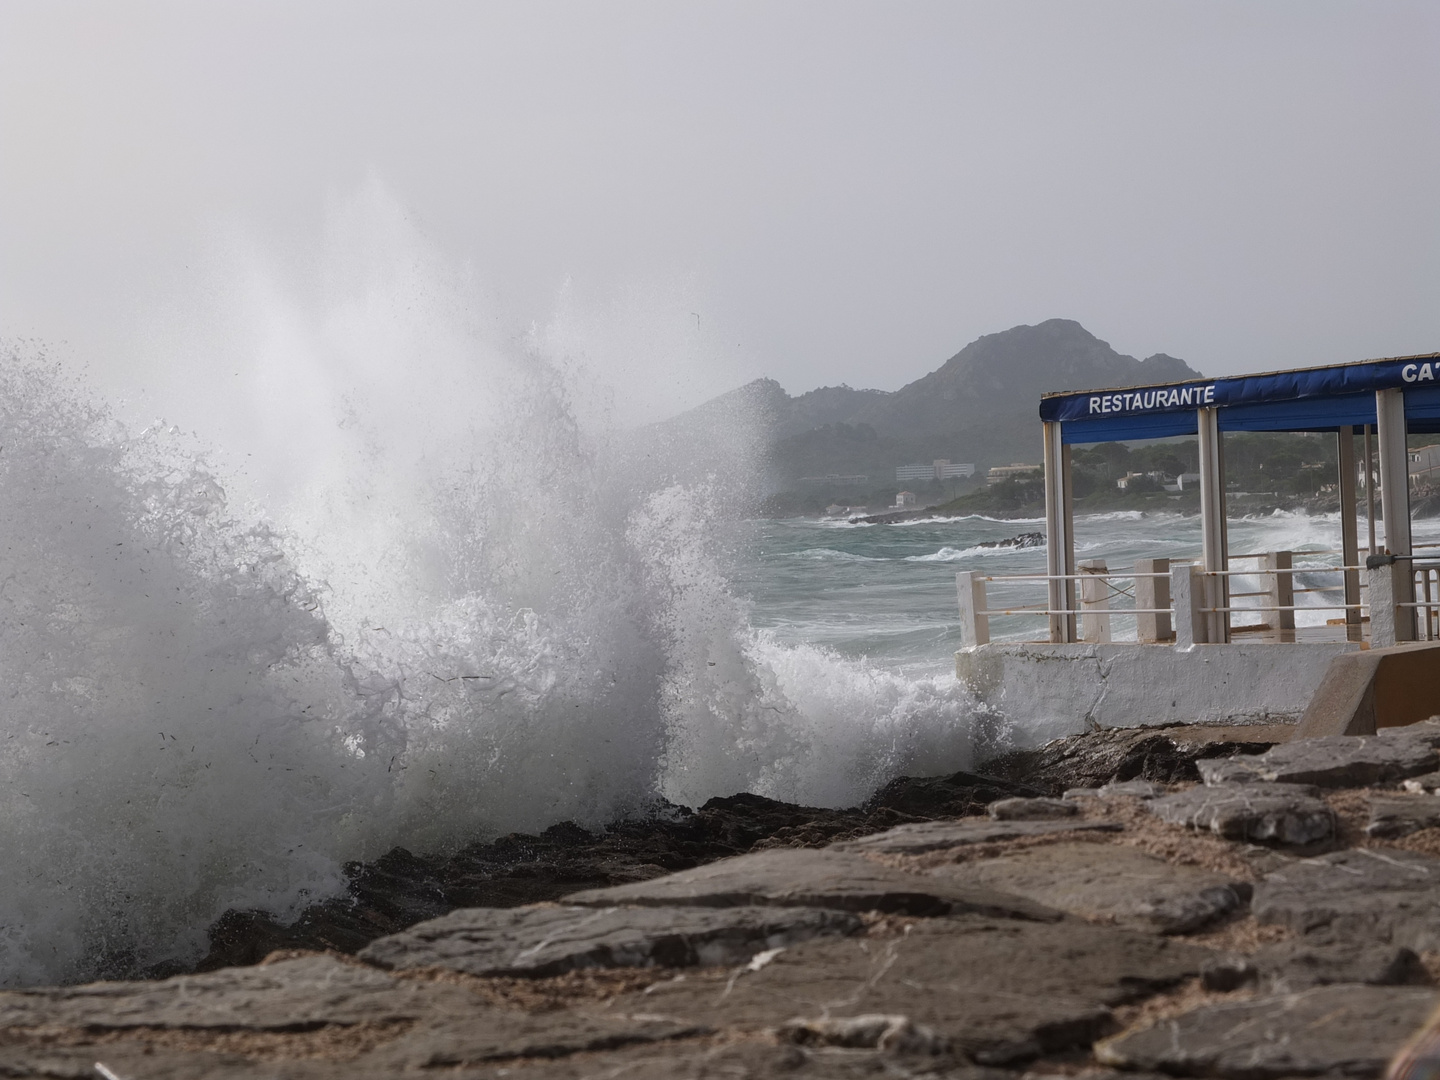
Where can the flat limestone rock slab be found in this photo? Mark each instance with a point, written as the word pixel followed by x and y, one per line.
pixel 504 1035
pixel 1401 815
pixel 540 941
pixel 288 995
pixel 1042 809
pixel 920 837
pixel 1363 894
pixel 1292 966
pixel 135 1061
pixel 485 1035
pixel 743 1059
pixel 996 990
pixel 1108 882
pixel 805 877
pixel 1281 813
pixel 1338 760
pixel 1337 1030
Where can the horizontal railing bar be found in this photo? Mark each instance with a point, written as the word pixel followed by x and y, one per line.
pixel 1081 611
pixel 1286 607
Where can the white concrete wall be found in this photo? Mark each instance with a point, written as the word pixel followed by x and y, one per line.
pixel 1034 692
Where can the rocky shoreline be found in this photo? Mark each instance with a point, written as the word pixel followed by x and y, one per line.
pixel 400 888
pixel 1138 903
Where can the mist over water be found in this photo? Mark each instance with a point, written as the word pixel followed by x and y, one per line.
pixel 425 587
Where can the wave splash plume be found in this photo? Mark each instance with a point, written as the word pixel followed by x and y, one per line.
pixel 495 614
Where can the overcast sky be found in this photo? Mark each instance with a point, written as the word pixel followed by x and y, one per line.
pixel 820 192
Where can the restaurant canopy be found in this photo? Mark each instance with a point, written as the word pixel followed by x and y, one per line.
pixel 1395 397
pixel 1308 399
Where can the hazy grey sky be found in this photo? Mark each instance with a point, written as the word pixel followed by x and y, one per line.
pixel 837 191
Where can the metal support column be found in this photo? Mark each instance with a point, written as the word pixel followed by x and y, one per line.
pixel 1215 555
pixel 1349 530
pixel 1059 536
pixel 1370 487
pixel 1395 502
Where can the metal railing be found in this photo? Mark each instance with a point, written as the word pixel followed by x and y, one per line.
pixel 1179 602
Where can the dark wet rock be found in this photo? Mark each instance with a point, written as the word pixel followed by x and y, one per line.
pixel 998 991
pixel 1228 971
pixel 830 879
pixel 1369 895
pixel 1401 815
pixel 539 941
pixel 1335 1030
pixel 943 835
pixel 960 794
pixel 1335 761
pixel 1097 758
pixel 1108 882
pixel 1277 813
pixel 1031 809
pixel 401 888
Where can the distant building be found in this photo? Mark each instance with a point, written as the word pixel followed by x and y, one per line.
pixel 939 469
pixel 1005 472
pixel 1126 481
pixel 1425 468
pixel 834 478
pixel 944 469
pixel 905 500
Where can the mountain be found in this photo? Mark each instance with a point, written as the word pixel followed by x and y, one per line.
pixel 979 406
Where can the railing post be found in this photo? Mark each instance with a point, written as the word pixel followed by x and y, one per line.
pixel 1094 601
pixel 1280 590
pixel 1059 535
pixel 1214 537
pixel 974 623
pixel 1349 531
pixel 1186 587
pixel 1390 579
pixel 1154 593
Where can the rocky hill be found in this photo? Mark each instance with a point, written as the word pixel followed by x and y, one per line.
pixel 978 406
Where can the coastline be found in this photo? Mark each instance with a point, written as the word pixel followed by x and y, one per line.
pixel 1149 901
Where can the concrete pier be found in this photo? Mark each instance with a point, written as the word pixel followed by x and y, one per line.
pixel 1051 690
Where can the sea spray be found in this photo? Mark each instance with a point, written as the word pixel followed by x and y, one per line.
pixel 179 733
pixel 444 595
pixel 188 730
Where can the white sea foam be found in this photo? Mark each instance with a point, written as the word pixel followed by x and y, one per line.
pixel 949 554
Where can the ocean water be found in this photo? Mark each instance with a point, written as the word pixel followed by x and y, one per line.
pixel 887 592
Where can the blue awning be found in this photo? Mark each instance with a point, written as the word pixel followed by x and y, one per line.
pixel 1120 428
pixel 1309 399
pixel 1306 414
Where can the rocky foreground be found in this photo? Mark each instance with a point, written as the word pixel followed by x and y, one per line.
pixel 1190 912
